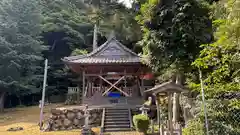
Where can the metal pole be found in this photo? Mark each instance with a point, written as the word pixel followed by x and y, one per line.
pixel 203 99
pixel 43 92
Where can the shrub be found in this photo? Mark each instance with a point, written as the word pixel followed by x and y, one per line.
pixel 141 122
pixel 194 127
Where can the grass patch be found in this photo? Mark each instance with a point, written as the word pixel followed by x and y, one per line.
pixel 28 118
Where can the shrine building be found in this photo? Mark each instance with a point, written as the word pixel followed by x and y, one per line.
pixel 110 74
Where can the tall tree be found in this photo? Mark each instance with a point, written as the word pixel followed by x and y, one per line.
pixel 221 59
pixel 173 32
pixel 20 47
pixel 220 63
pixel 110 15
pixel 65 28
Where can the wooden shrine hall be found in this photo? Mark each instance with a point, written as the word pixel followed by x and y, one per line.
pixel 110 74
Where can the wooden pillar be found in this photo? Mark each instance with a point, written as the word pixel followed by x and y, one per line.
pixel 78 91
pixel 83 83
pixel 100 87
pixel 142 85
pixel 125 83
pixel 90 90
pixel 158 110
pixel 125 79
pixel 170 125
pixel 139 87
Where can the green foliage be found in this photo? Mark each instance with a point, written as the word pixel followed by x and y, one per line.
pixel 112 15
pixel 194 127
pixel 20 47
pixel 223 118
pixel 65 21
pixel 141 122
pixel 221 58
pixel 78 52
pixel 173 33
pixel 68 28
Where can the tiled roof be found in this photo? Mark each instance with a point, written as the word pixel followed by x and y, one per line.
pixel 106 60
pixel 167 86
pixel 112 51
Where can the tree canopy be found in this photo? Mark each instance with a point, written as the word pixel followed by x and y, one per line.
pixel 175 37
pixel 173 32
pixel 20 47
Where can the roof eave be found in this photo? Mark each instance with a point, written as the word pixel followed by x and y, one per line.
pixel 167 86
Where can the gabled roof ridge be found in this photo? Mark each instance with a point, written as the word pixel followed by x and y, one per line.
pixel 100 48
pixel 86 55
pixel 70 58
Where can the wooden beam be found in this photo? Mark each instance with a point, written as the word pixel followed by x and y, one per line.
pixel 113 86
pixel 127 74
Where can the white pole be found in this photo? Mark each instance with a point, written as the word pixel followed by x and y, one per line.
pixel 43 92
pixel 95 36
pixel 203 99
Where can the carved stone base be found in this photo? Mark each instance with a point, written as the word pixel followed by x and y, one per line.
pixel 87 131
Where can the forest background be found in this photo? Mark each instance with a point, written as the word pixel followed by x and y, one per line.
pixel 178 37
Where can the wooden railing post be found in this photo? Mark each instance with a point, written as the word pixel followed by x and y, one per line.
pixel 102 122
pixel 130 118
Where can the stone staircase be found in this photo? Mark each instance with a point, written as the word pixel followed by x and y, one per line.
pixel 117 120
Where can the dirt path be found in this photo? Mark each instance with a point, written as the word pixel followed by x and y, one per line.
pixel 25 114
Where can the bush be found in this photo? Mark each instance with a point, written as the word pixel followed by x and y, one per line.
pixel 194 127
pixel 141 122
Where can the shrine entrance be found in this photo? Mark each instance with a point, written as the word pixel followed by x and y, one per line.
pixel 114 90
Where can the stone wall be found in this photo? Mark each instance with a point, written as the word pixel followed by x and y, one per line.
pixel 66 119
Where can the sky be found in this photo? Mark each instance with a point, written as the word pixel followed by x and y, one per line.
pixel 126 2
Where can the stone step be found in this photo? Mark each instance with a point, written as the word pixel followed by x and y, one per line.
pixel 116 113
pixel 116 129
pixel 116 116
pixel 116 122
pixel 117 126
pixel 114 119
pixel 116 110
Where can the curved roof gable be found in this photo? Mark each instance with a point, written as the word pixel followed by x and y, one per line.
pixel 112 51
pixel 112 47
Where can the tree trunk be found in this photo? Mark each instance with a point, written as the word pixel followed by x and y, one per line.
pixel 2 96
pixel 20 101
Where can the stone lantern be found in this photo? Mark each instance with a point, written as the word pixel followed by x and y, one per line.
pixel 144 109
pixel 167 90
